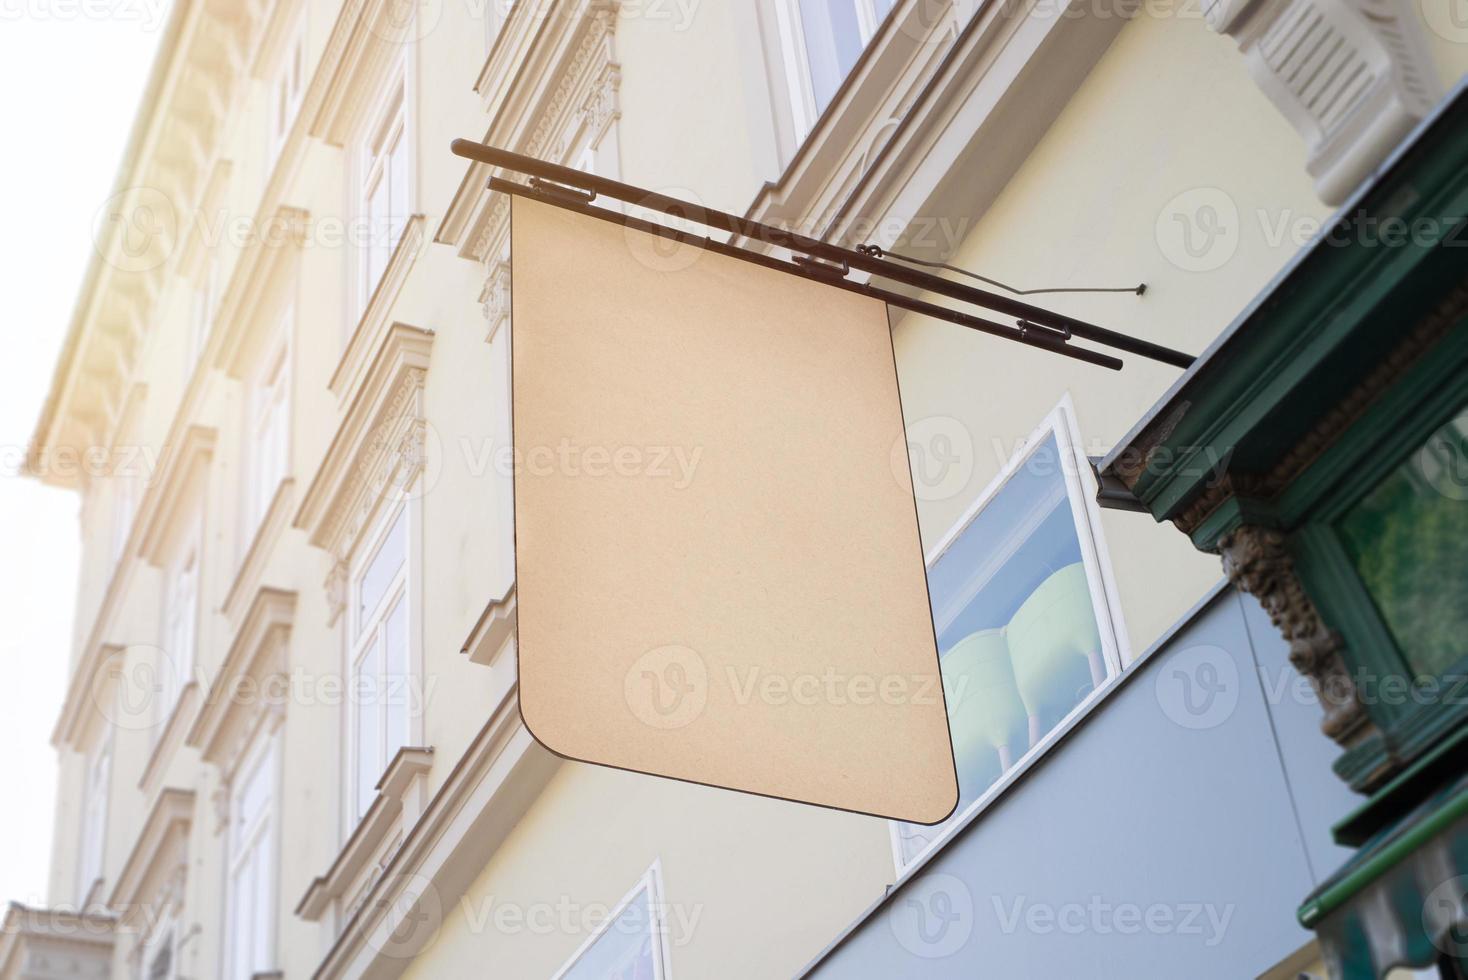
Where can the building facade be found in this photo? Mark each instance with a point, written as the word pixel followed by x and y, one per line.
pixel 291 743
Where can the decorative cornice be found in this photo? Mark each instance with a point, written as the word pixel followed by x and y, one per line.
pixel 158 855
pixel 565 87
pixel 496 625
pixel 364 847
pixel 369 36
pixel 377 446
pixel 368 333
pixel 251 294
pixel 157 516
pixel 195 80
pixel 251 681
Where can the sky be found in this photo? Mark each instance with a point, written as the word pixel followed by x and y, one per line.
pixel 72 73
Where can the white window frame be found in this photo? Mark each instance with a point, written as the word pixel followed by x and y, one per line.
pixel 651 881
pixel 182 618
pixel 262 839
pixel 363 632
pixel 267 427
pixel 1080 490
pixel 286 91
pixel 796 58
pixel 92 843
pixel 392 111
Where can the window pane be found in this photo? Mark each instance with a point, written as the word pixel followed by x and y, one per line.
pixel 395 683
pixel 241 908
pixel 383 568
pixel 365 689
pixel 397 188
pixel 1017 631
pixel 832 44
pixel 260 915
pixel 1406 540
pixel 622 952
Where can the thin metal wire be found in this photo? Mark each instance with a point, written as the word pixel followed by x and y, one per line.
pixel 877 252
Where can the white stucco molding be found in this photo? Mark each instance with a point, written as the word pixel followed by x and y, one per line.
pixel 252 300
pixel 489 790
pixel 180 717
pixel 257 555
pixel 367 336
pixel 91 686
pixel 937 116
pixel 154 873
pixel 367 40
pixel 494 632
pixel 184 470
pixel 251 687
pixel 1351 76
pixel 399 801
pixel 378 451
pixel 552 87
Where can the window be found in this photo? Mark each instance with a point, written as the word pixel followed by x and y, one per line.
pixel 251 886
pixel 821 41
pixel 629 944
pixel 1405 539
pixel 384 190
pixel 286 90
pixel 379 660
pixel 180 627
pixel 267 429
pixel 1026 623
pixel 94 818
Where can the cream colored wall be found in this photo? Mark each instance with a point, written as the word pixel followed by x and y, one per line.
pixel 1084 211
pixel 753 887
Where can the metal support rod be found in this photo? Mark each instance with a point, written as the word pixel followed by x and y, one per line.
pixel 814 248
pixel 1043 339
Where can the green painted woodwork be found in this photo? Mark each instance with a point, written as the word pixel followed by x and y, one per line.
pixel 1408 540
pixel 1333 410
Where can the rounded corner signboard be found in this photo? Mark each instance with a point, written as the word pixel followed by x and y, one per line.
pixel 719 577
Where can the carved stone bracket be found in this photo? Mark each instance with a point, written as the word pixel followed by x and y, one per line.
pixel 1351 76
pixel 1256 561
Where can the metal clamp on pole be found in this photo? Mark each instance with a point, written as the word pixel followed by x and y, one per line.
pixel 560 192
pixel 820 267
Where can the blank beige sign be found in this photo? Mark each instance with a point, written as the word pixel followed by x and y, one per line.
pixel 719 576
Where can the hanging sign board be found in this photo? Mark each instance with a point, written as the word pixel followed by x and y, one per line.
pixel 718 572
